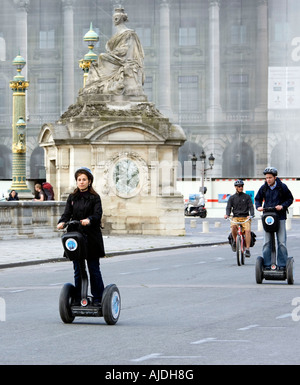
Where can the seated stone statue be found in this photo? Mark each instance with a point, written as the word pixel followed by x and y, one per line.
pixel 120 70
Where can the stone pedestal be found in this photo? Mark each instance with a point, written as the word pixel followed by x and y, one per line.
pixel 132 150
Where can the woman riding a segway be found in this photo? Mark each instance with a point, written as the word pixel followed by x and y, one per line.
pixel 84 205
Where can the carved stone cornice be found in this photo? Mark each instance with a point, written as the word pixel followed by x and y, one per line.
pixel 262 2
pixel 68 3
pixel 22 4
pixel 214 3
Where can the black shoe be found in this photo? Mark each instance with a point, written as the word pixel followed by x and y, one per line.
pixel 96 303
pixel 233 246
pixel 282 268
pixel 247 253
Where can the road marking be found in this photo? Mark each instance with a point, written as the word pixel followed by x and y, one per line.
pixel 160 356
pixel 212 339
pixel 203 341
pixel 148 357
pixel 284 316
pixel 248 327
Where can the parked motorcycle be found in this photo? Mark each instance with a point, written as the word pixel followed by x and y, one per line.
pixel 195 211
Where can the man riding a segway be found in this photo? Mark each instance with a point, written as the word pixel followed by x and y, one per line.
pixel 276 195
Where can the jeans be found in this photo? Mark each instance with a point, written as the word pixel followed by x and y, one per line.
pixel 97 286
pixel 282 253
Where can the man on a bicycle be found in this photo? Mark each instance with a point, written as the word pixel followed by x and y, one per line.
pixel 242 208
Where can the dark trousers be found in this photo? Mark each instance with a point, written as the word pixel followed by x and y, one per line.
pixel 97 285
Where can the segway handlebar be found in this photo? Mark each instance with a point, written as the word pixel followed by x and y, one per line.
pixel 73 222
pixel 269 209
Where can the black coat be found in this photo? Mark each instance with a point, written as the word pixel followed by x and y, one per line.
pixel 280 195
pixel 81 206
pixel 240 204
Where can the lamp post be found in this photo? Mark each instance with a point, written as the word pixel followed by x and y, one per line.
pixel 91 38
pixel 194 163
pixel 19 86
pixel 211 160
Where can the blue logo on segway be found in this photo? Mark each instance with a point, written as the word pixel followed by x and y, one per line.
pixel 71 244
pixel 269 220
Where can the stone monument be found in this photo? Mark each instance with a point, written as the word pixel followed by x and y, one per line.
pixel 131 148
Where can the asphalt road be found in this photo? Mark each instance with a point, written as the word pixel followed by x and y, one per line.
pixel 189 306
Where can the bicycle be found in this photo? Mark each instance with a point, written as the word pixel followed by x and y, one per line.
pixel 240 241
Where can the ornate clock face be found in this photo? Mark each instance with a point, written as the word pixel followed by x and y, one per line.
pixel 126 176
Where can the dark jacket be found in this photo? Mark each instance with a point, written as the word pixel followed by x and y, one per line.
pixel 240 204
pixel 82 206
pixel 281 195
pixel 15 198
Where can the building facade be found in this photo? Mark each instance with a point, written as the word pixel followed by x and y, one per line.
pixel 226 71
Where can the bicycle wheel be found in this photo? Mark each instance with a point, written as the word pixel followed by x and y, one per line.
pixel 239 250
pixel 243 250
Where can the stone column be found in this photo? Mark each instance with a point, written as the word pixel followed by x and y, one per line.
pixel 214 107
pixel 164 60
pixel 262 59
pixel 68 54
pixel 21 32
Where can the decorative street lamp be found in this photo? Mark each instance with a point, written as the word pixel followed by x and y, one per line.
pixel 19 86
pixel 91 38
pixel 211 160
pixel 194 163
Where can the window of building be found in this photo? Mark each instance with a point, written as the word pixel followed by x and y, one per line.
pixel 187 36
pixel 238 92
pixel 238 34
pixel 281 31
pixel 145 36
pixel 47 39
pixel 47 95
pixel 3 105
pixel 188 87
pixel 2 49
pixel 148 87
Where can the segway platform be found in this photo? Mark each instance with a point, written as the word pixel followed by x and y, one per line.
pixel 110 306
pixel 274 273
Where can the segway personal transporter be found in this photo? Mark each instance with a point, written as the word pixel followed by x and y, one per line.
pixel 74 245
pixel 270 222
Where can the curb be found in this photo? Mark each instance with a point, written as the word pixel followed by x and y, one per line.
pixel 109 255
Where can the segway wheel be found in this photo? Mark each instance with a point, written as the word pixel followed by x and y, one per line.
pixel 239 252
pixel 65 299
pixel 111 304
pixel 259 269
pixel 289 271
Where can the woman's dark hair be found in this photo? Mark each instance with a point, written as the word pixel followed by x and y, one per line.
pixel 90 177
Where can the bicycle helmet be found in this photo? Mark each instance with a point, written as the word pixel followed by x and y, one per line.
pixel 271 170
pixel 239 182
pixel 85 171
